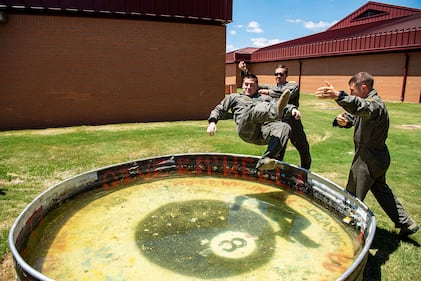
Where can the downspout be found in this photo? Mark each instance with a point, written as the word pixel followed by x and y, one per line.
pixel 405 76
pixel 3 17
pixel 299 74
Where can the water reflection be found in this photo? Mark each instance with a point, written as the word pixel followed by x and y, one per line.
pixel 215 239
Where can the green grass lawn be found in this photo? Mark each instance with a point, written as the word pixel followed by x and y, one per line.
pixel 33 160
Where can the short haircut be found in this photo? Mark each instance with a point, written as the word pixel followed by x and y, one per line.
pixel 362 78
pixel 251 76
pixel 284 67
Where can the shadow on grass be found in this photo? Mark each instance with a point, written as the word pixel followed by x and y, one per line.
pixel 384 244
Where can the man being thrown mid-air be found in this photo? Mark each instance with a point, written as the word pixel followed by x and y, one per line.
pixel 257 118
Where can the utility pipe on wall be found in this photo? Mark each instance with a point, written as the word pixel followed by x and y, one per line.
pixel 405 75
pixel 299 74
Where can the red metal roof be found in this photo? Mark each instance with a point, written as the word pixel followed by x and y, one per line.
pixel 239 55
pixel 390 28
pixel 374 12
pixel 203 10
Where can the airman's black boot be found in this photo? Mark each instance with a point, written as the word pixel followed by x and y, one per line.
pixel 268 161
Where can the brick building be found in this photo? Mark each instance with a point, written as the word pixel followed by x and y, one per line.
pixel 68 62
pixel 382 39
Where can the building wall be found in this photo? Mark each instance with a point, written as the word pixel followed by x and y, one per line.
pixel 69 70
pixel 231 73
pixel 388 71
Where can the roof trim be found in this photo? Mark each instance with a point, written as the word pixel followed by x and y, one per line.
pixel 210 11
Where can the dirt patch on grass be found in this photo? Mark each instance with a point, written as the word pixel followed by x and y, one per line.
pixel 410 126
pixel 68 130
pixel 7 271
pixel 108 127
pixel 325 105
pixel 313 139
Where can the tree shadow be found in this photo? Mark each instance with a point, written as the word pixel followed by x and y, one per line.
pixel 384 244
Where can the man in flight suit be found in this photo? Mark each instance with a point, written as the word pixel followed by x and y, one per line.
pixel 257 118
pixel 298 136
pixel 366 111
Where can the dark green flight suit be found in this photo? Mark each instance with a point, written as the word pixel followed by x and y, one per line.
pixel 298 136
pixel 256 119
pixel 370 119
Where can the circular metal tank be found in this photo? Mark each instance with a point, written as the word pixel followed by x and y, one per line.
pixel 351 213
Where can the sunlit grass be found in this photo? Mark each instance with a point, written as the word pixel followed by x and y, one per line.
pixel 33 160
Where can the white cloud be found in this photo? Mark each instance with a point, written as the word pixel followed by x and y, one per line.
pixel 230 48
pixel 233 32
pixel 313 26
pixel 254 27
pixel 294 20
pixel 262 42
pixel 317 26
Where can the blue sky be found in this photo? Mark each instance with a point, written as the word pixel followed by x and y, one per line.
pixel 259 23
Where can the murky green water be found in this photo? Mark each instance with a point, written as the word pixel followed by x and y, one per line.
pixel 190 228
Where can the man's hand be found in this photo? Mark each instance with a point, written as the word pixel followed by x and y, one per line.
pixel 296 113
pixel 342 120
pixel 242 66
pixel 263 91
pixel 327 92
pixel 212 128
